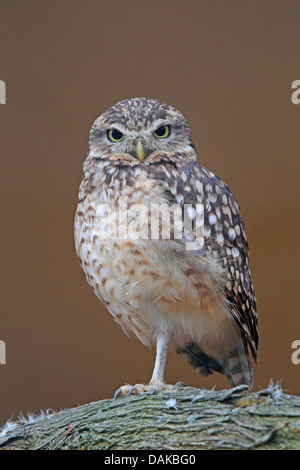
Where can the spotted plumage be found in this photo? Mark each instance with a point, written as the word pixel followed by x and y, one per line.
pixel 202 300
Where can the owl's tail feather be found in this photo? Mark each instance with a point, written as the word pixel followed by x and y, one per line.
pixel 200 361
pixel 235 365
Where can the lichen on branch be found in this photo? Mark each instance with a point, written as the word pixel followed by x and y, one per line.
pixel 182 419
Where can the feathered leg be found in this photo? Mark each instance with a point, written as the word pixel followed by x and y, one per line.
pixel 157 379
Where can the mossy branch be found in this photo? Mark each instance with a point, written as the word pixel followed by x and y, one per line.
pixel 183 419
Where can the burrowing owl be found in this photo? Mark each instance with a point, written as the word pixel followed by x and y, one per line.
pixel 201 300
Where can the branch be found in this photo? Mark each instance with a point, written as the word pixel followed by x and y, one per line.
pixel 184 419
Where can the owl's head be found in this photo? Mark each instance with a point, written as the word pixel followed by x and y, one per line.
pixel 139 128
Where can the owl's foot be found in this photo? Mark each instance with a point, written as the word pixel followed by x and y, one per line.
pixel 127 390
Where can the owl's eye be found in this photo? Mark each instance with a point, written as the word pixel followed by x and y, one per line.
pixel 162 132
pixel 114 135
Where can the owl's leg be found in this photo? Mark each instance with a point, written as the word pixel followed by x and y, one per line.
pixel 157 379
pixel 162 344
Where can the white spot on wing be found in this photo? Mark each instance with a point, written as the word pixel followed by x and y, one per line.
pixel 220 238
pixel 212 197
pixel 199 186
pixel 235 252
pixel 212 219
pixel 231 233
pixel 191 213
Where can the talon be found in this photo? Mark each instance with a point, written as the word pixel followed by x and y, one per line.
pixel 128 390
pixel 180 384
pixel 122 391
pixel 132 390
pixel 117 392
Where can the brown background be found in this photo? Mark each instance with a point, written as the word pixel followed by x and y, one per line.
pixel 228 66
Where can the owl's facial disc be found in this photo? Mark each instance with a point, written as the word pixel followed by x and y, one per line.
pixel 138 143
pixel 162 132
pixel 137 129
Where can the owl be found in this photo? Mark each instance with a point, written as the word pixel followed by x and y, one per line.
pixel 197 299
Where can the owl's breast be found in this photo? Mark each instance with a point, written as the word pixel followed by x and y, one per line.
pixel 142 279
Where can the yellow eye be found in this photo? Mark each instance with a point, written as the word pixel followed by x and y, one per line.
pixel 162 132
pixel 114 135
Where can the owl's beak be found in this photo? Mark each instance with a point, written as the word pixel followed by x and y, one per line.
pixel 140 151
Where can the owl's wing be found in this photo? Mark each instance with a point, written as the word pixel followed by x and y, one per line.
pixel 225 235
